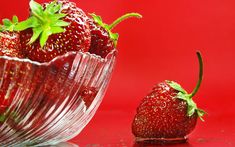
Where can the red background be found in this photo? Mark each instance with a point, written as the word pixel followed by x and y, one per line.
pixel 162 46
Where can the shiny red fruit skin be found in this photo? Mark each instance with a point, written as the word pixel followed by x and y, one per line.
pixel 101 43
pixel 88 94
pixel 161 115
pixel 75 38
pixel 10 44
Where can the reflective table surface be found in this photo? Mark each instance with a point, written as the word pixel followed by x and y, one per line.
pixel 113 129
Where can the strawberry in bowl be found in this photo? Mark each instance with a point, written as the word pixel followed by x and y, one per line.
pixel 53 75
pixel 103 41
pixel 53 31
pixel 168 113
pixel 9 46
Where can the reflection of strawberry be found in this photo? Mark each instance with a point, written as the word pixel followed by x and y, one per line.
pixel 54 30
pixel 13 75
pixel 88 94
pixel 103 41
pixel 167 112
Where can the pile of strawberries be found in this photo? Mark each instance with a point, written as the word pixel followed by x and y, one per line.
pixel 51 30
pixel 56 28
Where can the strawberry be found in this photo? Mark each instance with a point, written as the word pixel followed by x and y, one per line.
pixel 9 40
pixel 88 94
pixel 9 46
pixel 58 28
pixel 103 41
pixel 168 113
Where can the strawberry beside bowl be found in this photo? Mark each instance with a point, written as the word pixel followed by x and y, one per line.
pixel 48 103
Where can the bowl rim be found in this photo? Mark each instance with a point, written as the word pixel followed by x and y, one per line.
pixel 26 60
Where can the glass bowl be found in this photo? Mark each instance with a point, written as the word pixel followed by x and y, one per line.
pixel 48 103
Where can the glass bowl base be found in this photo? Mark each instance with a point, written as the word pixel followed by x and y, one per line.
pixel 63 144
pixel 161 141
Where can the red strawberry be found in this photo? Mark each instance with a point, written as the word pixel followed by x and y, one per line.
pixel 168 113
pixel 88 94
pixel 58 28
pixel 103 41
pixel 10 44
pixel 10 40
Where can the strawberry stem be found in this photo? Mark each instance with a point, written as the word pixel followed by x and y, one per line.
pixel 120 19
pixel 200 75
pixel 43 21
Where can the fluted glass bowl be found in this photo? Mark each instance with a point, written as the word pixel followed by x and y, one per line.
pixel 48 103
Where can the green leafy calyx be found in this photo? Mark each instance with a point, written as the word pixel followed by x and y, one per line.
pixel 9 25
pixel 44 22
pixel 183 95
pixel 108 28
